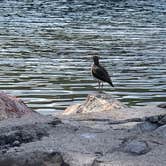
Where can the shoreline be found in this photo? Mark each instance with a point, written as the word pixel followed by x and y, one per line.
pixel 121 136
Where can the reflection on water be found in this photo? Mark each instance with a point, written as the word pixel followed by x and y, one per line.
pixel 46 48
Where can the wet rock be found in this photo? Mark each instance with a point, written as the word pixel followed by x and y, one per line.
pixel 12 107
pixel 95 103
pixel 137 147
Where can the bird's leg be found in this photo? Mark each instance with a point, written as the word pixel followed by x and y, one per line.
pixel 99 83
pixel 102 84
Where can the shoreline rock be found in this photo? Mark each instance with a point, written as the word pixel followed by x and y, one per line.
pixel 95 103
pixel 12 107
pixel 119 136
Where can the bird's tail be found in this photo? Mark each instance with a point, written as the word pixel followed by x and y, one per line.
pixel 111 83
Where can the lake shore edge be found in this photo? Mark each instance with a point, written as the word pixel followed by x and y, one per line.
pixel 100 131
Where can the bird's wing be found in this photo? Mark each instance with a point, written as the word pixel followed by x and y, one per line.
pixel 100 73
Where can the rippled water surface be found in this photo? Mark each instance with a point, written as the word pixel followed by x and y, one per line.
pixel 46 48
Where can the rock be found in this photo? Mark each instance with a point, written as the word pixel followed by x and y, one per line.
pixel 162 120
pixel 73 109
pixel 16 143
pixel 137 147
pixel 161 131
pixel 22 134
pixel 162 105
pixel 77 159
pixel 99 136
pixel 37 158
pixel 55 121
pixel 12 107
pixel 155 119
pixel 95 103
pixel 145 127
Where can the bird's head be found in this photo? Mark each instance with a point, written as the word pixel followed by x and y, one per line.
pixel 96 59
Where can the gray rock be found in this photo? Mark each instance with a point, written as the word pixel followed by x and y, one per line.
pixel 162 105
pixel 162 120
pixel 137 147
pixel 37 158
pixel 145 126
pixel 161 131
pixel 154 119
pixel 77 159
pixel 93 138
pixel 16 143
pixel 22 134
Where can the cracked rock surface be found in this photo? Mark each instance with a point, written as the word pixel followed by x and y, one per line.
pixel 120 136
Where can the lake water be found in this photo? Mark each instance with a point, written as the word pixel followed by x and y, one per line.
pixel 46 48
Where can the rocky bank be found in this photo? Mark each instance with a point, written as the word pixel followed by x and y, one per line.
pixel 99 132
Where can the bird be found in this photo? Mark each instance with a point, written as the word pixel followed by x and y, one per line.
pixel 99 72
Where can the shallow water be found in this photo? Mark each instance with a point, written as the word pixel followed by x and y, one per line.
pixel 46 48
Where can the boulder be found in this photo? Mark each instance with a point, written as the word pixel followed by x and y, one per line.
pixel 136 147
pixel 11 107
pixel 95 103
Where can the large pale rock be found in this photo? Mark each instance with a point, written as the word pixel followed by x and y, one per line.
pixel 95 103
pixel 12 107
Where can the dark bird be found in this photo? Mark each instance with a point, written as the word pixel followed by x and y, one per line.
pixel 100 73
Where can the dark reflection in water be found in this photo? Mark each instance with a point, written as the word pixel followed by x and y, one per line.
pixel 46 48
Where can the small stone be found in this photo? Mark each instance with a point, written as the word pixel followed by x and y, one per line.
pixel 136 147
pixel 55 122
pixel 162 105
pixel 16 143
pixel 4 151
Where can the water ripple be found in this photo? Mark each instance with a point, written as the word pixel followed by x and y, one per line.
pixel 46 49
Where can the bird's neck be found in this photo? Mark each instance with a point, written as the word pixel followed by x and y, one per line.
pixel 96 63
